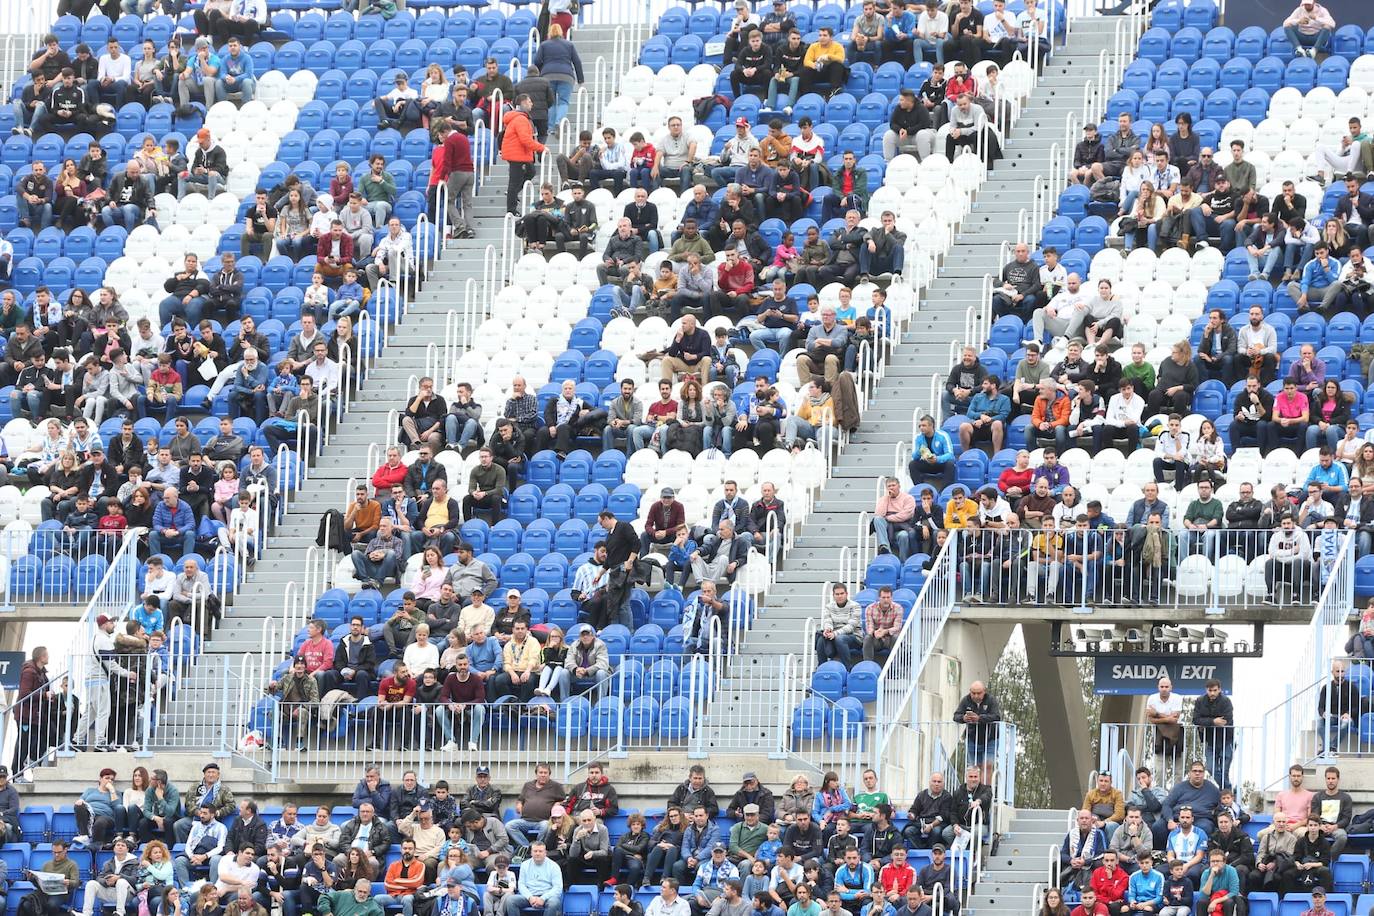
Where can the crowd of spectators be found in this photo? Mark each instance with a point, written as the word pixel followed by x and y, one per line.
pixel 439 849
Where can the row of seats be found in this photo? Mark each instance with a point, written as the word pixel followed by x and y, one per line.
pixel 1189 43
pixel 676 21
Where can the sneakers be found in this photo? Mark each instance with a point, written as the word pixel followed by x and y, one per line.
pixel 450 747
pixel 472 746
pixel 81 840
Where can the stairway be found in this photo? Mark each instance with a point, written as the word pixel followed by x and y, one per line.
pixel 922 352
pixel 1009 878
pixel 195 716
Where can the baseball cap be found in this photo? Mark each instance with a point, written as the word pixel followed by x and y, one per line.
pixel 748 776
pixel 557 811
pixel 484 771
pixel 4 772
pixel 741 122
pixel 101 620
pixel 667 493
pixel 1318 891
pixel 503 859
pixel 751 809
pixel 940 847
pixel 203 134
pixel 401 78
pixel 513 593
pixel 719 847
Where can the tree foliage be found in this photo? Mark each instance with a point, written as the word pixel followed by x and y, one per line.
pixel 1011 684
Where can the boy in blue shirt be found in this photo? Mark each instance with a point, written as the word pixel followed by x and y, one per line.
pixel 1145 892
pixel 349 295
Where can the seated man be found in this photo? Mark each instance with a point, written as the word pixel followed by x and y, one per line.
pixel 236 73
pixel 566 417
pixel 825 347
pixel 932 455
pixel 398 109
pixel 207 169
pixel 988 413
pixel 379 561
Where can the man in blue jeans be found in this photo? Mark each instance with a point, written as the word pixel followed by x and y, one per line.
pixel 173 524
pixel 776 318
pixel 1309 28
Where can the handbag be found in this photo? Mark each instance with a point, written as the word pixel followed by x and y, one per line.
pixel 1127 224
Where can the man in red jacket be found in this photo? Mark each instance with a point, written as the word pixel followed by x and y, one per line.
pixel 461 178
pixel 334 253
pixel 1109 882
pixel 518 149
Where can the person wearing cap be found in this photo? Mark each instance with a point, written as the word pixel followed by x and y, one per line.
pixel 734 154
pixel 419 829
pixel 662 522
pixel 751 793
pixel 744 24
pixel 199 79
pixel 776 24
pixel 748 835
pixel 482 795
pixel 1309 29
pixel 95 710
pixel 398 109
pixel 98 812
pixel 206 171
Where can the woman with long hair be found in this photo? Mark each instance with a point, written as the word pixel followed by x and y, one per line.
pixel 1207 455
pixel 154 868
pixel 553 677
pixel 691 419
pixel 1148 211
pixel 133 804
pixel 1328 414
pixel 293 226
pixel 434 91
pixel 557 834
pixel 70 192
pixel 429 578
pixel 559 63
pixel 665 844
pixel 1053 904
pixel 356 867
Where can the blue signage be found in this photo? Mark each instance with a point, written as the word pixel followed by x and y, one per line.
pixel 10 663
pixel 1138 675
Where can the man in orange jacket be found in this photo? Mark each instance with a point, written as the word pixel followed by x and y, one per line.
pixel 518 148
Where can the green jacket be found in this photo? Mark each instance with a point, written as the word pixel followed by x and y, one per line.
pixel 166 807
pixel 343 903
pixel 860 184
pixel 224 800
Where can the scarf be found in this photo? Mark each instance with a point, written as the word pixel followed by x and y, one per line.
pixel 1152 550
pixel 566 410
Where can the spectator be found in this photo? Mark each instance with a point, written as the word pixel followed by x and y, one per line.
pixel 208 169
pixel 1106 804
pixel 1309 28
pixel 1020 292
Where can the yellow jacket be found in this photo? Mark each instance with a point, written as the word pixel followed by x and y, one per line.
pixel 521 658
pixel 816 53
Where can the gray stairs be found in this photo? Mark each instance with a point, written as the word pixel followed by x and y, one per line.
pixel 346 455
pixel 1009 878
pixel 922 352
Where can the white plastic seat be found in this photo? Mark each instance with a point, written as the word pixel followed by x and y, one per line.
pixel 529 271
pixel 1285 105
pixel 1207 266
pixel 491 336
pixel 1319 104
pixel 669 82
pixel 642 468
pixel 1362 73
pixel 271 88
pixel 1194 576
pixel 1140 267
pixel 300 88
pixel 1107 468
pixel 1107 264
pixel 1172 266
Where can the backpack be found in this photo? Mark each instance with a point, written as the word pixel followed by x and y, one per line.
pixel 1106 190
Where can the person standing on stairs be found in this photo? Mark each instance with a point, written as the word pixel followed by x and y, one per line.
pixel 461 178
pixel 518 149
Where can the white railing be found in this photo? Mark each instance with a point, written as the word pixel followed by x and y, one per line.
pixel 901 674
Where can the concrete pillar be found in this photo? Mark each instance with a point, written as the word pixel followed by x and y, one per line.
pixel 1060 712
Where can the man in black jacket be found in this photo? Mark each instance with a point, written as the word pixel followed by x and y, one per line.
pixel 980 713
pixel 622 554
pixel 1254 405
pixel 540 91
pixel 579 224
pixel 643 217
pixel 1235 844
pixel 624 248
pixel 1214 717
pixel 249 831
pixel 355 663
pixel 1356 203
pixel 690 346
pixel 67 108
pixel 752 792
pixel 845 243
pixel 930 819
pixel 1339 708
pixel 1216 352
pixel 753 67
pixel 35 95
pixel 186 289
pixel 423 473
pixel 208 168
pixel 128 198
pixel 972 794
pixel 904 127
pixel 226 292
